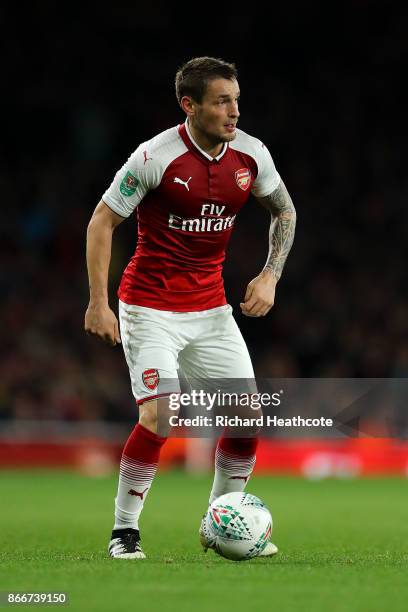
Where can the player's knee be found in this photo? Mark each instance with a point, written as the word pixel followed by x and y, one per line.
pixel 148 415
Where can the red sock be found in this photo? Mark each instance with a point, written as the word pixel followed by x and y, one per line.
pixel 244 447
pixel 143 445
pixel 234 462
pixel 138 467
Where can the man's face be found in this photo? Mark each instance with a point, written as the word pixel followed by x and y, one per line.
pixel 217 115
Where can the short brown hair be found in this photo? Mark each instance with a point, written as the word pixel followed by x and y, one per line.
pixel 193 77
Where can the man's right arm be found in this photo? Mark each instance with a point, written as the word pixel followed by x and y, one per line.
pixel 99 318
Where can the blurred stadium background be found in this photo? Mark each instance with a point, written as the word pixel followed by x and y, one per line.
pixel 82 90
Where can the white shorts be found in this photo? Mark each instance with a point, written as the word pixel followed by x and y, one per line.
pixel 203 345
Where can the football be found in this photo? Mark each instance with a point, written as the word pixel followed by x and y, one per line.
pixel 238 526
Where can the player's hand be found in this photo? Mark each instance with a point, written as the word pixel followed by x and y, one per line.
pixel 260 295
pixel 100 321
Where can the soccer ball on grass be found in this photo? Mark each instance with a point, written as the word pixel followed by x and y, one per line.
pixel 237 526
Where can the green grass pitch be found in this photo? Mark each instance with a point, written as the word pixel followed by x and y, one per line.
pixel 343 546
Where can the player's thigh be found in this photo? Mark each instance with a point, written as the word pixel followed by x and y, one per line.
pixel 219 352
pixel 151 351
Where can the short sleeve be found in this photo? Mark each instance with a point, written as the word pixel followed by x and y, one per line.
pixel 268 178
pixel 131 183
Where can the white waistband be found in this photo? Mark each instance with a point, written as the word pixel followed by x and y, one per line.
pixel 177 315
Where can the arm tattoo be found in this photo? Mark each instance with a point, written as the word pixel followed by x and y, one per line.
pixel 282 229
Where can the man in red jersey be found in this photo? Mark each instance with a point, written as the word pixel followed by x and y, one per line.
pixel 187 185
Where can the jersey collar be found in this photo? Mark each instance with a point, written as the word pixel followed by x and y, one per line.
pixel 224 148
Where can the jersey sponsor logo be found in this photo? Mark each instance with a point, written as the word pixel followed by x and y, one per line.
pixel 201 224
pixel 151 378
pixel 129 184
pixel 146 159
pixel 185 183
pixel 211 220
pixel 243 178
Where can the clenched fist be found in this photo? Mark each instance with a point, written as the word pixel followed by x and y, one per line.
pixel 101 321
pixel 260 295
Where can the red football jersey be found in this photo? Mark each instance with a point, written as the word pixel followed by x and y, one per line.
pixel 186 204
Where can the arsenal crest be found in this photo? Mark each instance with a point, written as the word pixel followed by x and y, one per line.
pixel 243 178
pixel 151 379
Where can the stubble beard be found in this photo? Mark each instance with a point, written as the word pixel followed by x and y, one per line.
pixel 229 137
pixel 221 138
pixel 215 139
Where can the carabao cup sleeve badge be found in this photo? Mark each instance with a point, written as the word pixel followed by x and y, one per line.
pixel 151 379
pixel 128 184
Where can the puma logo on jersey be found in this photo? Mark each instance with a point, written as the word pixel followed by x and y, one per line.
pixel 185 183
pixel 146 159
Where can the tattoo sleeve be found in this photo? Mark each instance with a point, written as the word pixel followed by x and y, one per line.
pixel 282 228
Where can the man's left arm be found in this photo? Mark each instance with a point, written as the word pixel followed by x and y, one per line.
pixel 260 293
